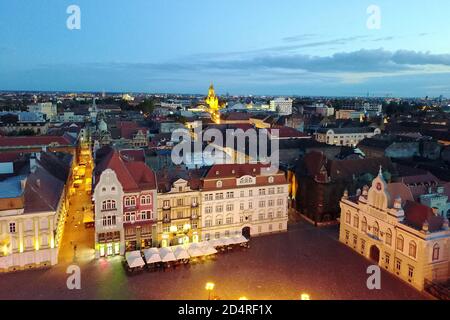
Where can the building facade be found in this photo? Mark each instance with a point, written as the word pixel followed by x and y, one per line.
pixel 243 199
pixel 400 235
pixel 125 205
pixel 282 105
pixel 345 136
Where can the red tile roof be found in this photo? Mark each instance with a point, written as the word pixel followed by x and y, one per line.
pixel 33 141
pixel 132 155
pixel 416 214
pixel 134 175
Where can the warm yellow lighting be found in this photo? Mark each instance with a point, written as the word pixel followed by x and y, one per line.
pixel 52 243
pixel 5 250
pixel 36 245
pixel 243 298
pixel 305 296
pixel 21 247
pixel 187 226
pixel 173 229
pixel 209 286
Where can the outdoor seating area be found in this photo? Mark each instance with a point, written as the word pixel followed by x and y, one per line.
pixel 155 259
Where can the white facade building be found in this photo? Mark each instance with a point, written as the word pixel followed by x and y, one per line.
pixel 282 105
pixel 241 199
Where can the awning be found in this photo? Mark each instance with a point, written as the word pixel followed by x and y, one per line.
pixel 180 253
pixel 207 248
pixel 134 259
pixel 166 255
pixel 216 243
pixel 152 255
pixel 195 250
pixel 239 239
pixel 227 241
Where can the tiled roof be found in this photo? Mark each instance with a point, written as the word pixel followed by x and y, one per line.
pixel 416 214
pixel 34 141
pixel 134 175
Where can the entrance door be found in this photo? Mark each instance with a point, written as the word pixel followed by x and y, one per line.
pixel 374 254
pixel 246 232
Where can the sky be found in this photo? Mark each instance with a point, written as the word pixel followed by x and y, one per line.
pixel 260 47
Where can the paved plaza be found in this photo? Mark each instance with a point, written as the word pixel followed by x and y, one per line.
pixel 279 266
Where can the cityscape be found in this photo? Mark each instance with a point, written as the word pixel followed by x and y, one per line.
pixel 229 174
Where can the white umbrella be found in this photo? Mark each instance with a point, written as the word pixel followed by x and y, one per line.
pixel 152 255
pixel 227 241
pixel 209 250
pixel 180 253
pixel 195 250
pixel 239 239
pixel 134 259
pixel 166 255
pixel 216 243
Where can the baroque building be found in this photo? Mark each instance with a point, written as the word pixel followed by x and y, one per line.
pixel 387 226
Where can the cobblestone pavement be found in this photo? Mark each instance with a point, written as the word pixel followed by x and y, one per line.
pixel 280 266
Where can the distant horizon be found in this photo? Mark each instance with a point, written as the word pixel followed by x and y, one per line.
pixel 253 47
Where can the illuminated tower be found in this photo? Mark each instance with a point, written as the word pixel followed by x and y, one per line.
pixel 213 103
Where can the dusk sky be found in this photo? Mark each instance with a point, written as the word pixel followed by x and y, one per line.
pixel 285 47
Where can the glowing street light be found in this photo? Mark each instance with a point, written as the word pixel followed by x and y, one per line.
pixel 209 287
pixel 305 296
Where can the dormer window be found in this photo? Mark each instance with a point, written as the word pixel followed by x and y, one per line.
pixel 219 184
pixel 271 179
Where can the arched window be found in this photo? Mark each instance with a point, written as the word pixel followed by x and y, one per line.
pixel 356 221
pixel 436 251
pixel 219 184
pixel 348 217
pixel 412 249
pixel 389 237
pixel 376 230
pixel 364 225
pixel 400 242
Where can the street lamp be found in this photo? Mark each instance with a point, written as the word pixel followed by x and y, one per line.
pixel 305 296
pixel 209 287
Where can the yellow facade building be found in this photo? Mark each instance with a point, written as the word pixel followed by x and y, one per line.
pixel 406 238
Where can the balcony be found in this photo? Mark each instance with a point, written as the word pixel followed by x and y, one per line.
pixel 166 220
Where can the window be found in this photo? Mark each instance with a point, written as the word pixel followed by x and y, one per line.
pixel 389 237
pixel 109 221
pixel 436 250
pixel 208 197
pixel 412 249
pixel 376 230
pixel 219 196
pixel 147 199
pixel 387 259
pixel 250 205
pixel 355 240
pixel 363 246
pixel 271 203
pixel 242 194
pixel 108 205
pixel 347 236
pixel 280 226
pixel 219 208
pixel 219 221
pixel 250 193
pixel 410 273
pixel 241 206
pixel 348 217
pixel 356 222
pixel 130 201
pixel 262 204
pixel 207 236
pixel 179 202
pixel 12 227
pixel 400 242
pixel 129 216
pixel 280 189
pixel 180 214
pixel 208 222
pixel 270 179
pixel 208 209
pixel 229 220
pixel 398 265
pixel 219 184
pixel 230 195
pixel 280 202
pixel 241 219
pixel 230 207
pixel 262 192
pixel 166 204
pixel 217 235
pixel 364 225
pixel 270 215
pixel 261 216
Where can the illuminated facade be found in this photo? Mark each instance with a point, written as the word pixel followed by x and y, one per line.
pixel 33 210
pixel 240 199
pixel 178 214
pixel 125 203
pixel 213 104
pixel 406 238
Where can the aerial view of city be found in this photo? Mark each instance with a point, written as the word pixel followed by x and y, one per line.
pixel 236 151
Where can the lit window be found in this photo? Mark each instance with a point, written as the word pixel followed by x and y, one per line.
pixel 436 250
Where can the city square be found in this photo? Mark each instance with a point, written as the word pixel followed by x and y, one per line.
pixel 281 266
